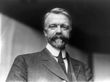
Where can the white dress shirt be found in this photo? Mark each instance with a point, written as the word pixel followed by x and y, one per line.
pixel 55 52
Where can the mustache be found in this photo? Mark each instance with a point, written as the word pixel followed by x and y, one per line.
pixel 59 37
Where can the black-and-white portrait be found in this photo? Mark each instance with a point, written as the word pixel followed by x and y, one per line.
pixel 54 41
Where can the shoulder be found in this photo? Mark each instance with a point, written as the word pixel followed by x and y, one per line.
pixel 76 61
pixel 29 57
pixel 78 64
pixel 84 68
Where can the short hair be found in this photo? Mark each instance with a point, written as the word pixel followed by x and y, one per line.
pixel 58 11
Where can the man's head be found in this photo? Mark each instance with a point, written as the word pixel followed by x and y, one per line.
pixel 57 27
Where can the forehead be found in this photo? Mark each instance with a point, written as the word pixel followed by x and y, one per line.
pixel 56 18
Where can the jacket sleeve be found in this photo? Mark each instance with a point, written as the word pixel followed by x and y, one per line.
pixel 18 72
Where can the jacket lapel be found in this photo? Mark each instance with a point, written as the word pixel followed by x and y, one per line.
pixel 50 63
pixel 74 68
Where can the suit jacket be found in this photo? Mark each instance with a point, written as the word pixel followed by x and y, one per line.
pixel 42 67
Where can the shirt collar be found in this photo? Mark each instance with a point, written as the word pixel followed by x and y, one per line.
pixel 55 52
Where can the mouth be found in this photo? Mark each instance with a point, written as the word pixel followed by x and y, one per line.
pixel 59 41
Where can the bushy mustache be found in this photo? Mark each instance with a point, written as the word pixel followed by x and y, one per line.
pixel 59 37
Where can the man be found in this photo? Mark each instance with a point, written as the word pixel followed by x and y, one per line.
pixel 52 64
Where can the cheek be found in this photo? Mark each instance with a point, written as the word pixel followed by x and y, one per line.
pixel 66 34
pixel 50 33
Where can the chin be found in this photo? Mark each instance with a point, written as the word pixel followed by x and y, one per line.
pixel 59 46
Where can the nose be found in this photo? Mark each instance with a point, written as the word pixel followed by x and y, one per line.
pixel 58 29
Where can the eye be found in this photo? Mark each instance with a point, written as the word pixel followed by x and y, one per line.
pixel 65 27
pixel 52 26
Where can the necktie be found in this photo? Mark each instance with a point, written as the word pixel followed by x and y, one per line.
pixel 61 62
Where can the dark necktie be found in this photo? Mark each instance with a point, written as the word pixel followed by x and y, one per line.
pixel 61 62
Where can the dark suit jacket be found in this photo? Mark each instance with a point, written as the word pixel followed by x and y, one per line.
pixel 41 67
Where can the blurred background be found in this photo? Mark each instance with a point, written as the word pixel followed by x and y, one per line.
pixel 21 32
